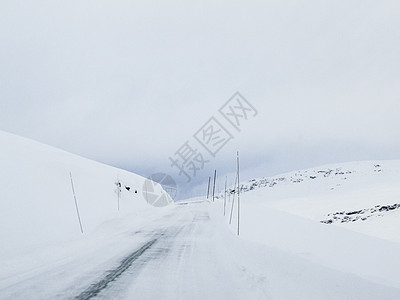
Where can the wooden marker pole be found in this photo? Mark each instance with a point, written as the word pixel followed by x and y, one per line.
pixel 208 189
pixel 215 177
pixel 238 220
pixel 233 201
pixel 76 203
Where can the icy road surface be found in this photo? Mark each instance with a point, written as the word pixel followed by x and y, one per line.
pixel 187 253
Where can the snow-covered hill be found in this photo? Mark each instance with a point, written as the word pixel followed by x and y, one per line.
pixel 361 196
pixel 37 207
pixel 345 217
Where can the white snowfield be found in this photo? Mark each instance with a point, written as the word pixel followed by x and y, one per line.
pixel 188 250
pixel 359 196
pixel 37 204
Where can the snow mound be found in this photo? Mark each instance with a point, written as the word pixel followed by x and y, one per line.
pixel 360 196
pixel 37 206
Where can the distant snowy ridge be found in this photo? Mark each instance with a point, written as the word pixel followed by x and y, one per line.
pixel 361 196
pixel 329 177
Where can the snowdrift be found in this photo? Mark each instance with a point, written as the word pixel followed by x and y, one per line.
pixel 37 205
pixel 343 216
pixel 360 196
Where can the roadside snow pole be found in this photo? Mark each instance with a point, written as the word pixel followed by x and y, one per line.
pixel 208 189
pixel 238 220
pixel 233 201
pixel 226 179
pixel 215 177
pixel 118 184
pixel 76 203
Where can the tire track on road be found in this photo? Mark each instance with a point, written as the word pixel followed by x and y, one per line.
pixel 112 275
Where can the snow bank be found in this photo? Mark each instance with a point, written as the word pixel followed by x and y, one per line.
pixel 351 195
pixel 289 212
pixel 37 206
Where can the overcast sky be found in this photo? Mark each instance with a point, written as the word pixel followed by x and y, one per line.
pixel 127 83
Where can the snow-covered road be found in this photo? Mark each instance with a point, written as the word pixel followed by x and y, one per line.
pixel 186 261
pixel 187 252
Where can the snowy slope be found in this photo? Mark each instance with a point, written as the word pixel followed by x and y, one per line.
pixel 37 206
pixel 361 196
pixel 289 212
